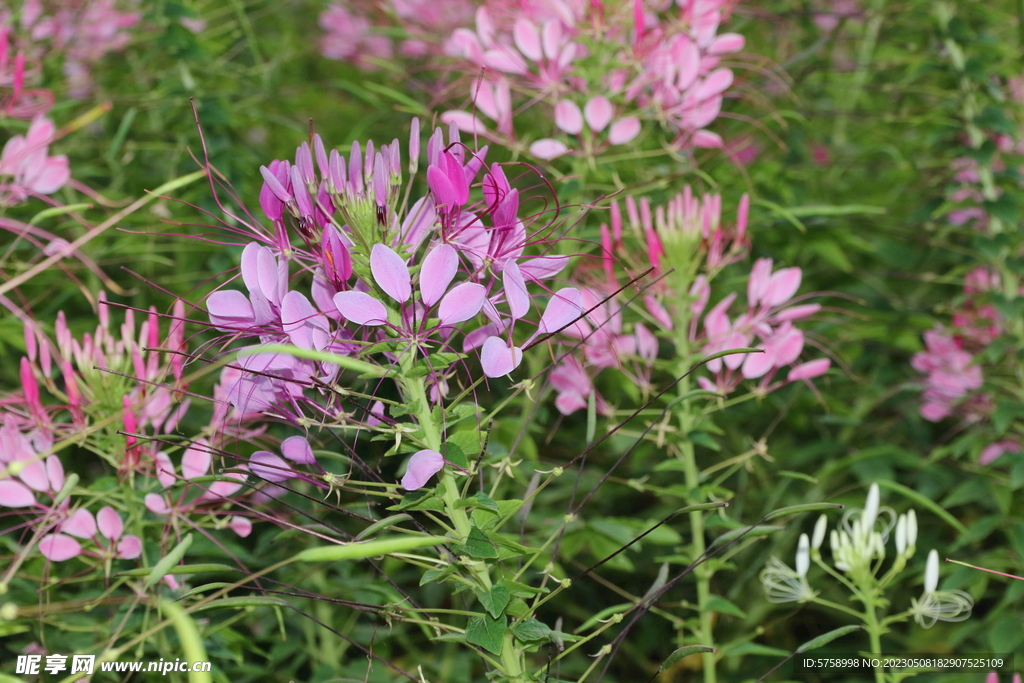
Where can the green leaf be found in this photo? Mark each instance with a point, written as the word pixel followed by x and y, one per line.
pixel 436 574
pixel 684 651
pixel 480 499
pixel 469 441
pixel 717 603
pixel 477 546
pixel 496 600
pixel 521 589
pixel 182 569
pixel 245 601
pixel 486 633
pixel 702 439
pixel 603 614
pixel 531 630
pixel 424 499
pixel 163 567
pixel 755 649
pixel 826 638
pixel 359 551
pixel 797 509
pixel 455 455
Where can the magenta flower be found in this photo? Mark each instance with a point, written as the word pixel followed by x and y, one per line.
pixel 111 543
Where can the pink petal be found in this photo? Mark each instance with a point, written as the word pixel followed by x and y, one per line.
pixel 241 525
pixel 543 267
pixel 437 272
pixel 547 148
pixel 156 504
pixel 714 84
pixel 297 449
pixel 797 312
pixel 658 312
pixel 298 318
pixel 55 473
pixel 81 524
pixel 565 306
pixel 34 475
pixel 705 139
pixel 599 112
pixel 464 121
pixel 15 495
pixel 782 286
pixel 624 130
pixel 422 466
pixel 196 460
pixel 726 42
pixel 527 39
pixel 361 308
pixel 390 273
pixel 809 370
pixel 230 310
pixel 129 548
pixel 164 469
pixel 225 487
pixel 515 290
pixel 646 343
pixel 757 364
pixel 109 523
pixel 498 359
pixel 788 344
pixel 52 176
pixel 462 303
pixel 270 467
pixel 757 285
pixel 568 117
pixel 58 547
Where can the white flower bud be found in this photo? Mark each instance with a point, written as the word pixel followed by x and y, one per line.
pixel 803 555
pixel 911 529
pixel 819 532
pixel 931 572
pixel 833 539
pixel 867 518
pixel 901 535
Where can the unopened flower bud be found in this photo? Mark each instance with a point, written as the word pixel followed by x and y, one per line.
pixel 911 529
pixel 819 532
pixel 870 510
pixel 931 572
pixel 803 555
pixel 901 534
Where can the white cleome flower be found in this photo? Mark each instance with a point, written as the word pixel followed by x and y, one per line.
pixel 937 605
pixel 782 584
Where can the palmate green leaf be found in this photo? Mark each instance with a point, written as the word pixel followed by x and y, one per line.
pixel 477 546
pixel 360 551
pixel 531 630
pixel 495 600
pixel 487 632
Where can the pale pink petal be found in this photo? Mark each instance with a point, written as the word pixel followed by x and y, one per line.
pixel 52 176
pixel 241 525
pixel 599 112
pixel 462 303
pixel 498 359
pixel 58 547
pixel 297 449
pixel 196 460
pixel 527 39
pixel 757 364
pixel 646 343
pixel 164 469
pixel 515 290
pixel 156 504
pixel 464 121
pixel 422 466
pixel 705 139
pixel 547 148
pixel 797 312
pixel 81 524
pixel 270 467
pixel 565 306
pixel 391 273
pixel 225 487
pixel 437 272
pixel 109 523
pixel 55 473
pixel 129 547
pixel 230 310
pixel 624 130
pixel 757 285
pixel 34 475
pixel 725 43
pixel 506 59
pixel 568 117
pixel 782 286
pixel 361 308
pixel 543 267
pixel 809 370
pixel 658 312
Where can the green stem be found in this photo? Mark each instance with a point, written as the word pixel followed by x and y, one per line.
pixel 416 395
pixel 874 629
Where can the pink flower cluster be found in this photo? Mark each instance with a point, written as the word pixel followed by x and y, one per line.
pixel 417 278
pixel 693 225
pixel 82 31
pixel 655 64
pixel 349 35
pixel 26 167
pixel 951 375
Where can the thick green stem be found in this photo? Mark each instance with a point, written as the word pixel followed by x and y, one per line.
pixel 416 394
pixel 874 634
